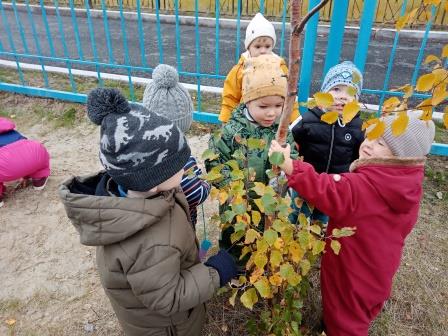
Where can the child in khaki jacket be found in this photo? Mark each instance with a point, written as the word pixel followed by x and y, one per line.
pixel 136 215
pixel 260 40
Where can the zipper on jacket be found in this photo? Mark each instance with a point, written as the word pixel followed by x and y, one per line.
pixel 331 148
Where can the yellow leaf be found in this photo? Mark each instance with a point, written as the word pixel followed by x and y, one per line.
pixel 244 251
pixel 263 287
pixel 260 260
pixel 356 78
pixel 431 58
pixel 446 10
pixel 305 266
pixel 279 244
pixel 223 196
pixel 335 246
pixel 432 2
pixel 426 107
pixel 425 82
pixel 427 114
pixel 408 91
pixel 330 117
pixel 311 103
pixel 270 236
pixel 256 217
pixel 316 229
pixel 390 104
pixel 276 258
pixel 259 188
pixel 368 123
pixel 214 193
pixel 376 131
pixel 294 278
pixel 412 13
pixel 401 22
pixel 10 322
pixel 256 274
pixel 262 245
pixel 445 47
pixel 275 279
pixel 251 235
pixel 259 203
pixel 350 111
pixel 439 95
pixel 303 220
pixel 249 298
pixel 352 90
pixel 399 124
pixel 324 99
pixel 441 75
pixel 445 117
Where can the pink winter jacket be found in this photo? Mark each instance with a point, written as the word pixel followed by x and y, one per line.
pixel 380 197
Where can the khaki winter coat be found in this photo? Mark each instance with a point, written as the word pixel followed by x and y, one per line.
pixel 147 257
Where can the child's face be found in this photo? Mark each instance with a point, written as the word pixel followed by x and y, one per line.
pixel 341 97
pixel 261 46
pixel 374 149
pixel 266 110
pixel 172 182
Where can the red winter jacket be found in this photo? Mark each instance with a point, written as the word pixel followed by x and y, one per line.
pixel 380 197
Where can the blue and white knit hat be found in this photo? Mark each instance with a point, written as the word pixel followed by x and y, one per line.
pixel 138 148
pixel 342 74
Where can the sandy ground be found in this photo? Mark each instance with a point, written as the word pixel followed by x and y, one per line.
pixel 49 283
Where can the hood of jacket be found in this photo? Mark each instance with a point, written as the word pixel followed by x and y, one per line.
pixel 103 219
pixel 397 180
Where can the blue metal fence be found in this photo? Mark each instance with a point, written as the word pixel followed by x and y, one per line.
pixel 76 42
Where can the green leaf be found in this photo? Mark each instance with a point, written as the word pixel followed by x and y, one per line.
pixel 209 155
pixel 229 215
pixel 276 258
pixel 263 288
pixel 213 176
pixel 335 246
pixel 262 245
pixel 239 209
pixel 304 239
pixel 277 158
pixel 270 174
pixel 278 225
pixel 259 188
pixel 249 298
pixel 260 259
pixel 256 143
pixel 270 236
pixel 286 270
pixel 344 232
pixel 240 226
pixel 239 155
pixel 234 237
pixel 233 164
pixel 237 175
pixel 316 229
pixel 269 203
pixel 259 203
pixel 305 266
pixel 318 247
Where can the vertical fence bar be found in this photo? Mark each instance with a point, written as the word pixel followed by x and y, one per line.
pixel 36 42
pixel 391 60
pixel 76 30
pixel 92 41
pixel 159 33
pixel 178 58
pixel 262 7
pixel 421 52
pixel 336 35
pixel 282 39
pixel 107 32
pixel 365 31
pixel 217 12
pixel 19 24
pixel 238 28
pixel 11 42
pixel 126 51
pixel 47 28
pixel 64 46
pixel 198 55
pixel 140 34
pixel 309 45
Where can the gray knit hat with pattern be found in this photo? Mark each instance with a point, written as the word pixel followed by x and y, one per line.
pixel 166 97
pixel 138 148
pixel 416 141
pixel 343 74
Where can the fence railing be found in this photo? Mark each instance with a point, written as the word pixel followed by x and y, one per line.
pixel 388 11
pixel 65 46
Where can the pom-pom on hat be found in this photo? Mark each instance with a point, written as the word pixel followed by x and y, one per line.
pixel 263 76
pixel 416 140
pixel 343 74
pixel 258 27
pixel 166 97
pixel 138 148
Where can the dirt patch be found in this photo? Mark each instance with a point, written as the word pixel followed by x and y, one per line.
pixel 49 283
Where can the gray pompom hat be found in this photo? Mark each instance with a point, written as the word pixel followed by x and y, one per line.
pixel 416 140
pixel 166 97
pixel 138 148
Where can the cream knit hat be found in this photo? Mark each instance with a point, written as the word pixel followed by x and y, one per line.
pixel 416 141
pixel 258 27
pixel 263 76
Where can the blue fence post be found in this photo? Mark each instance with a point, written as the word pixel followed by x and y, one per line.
pixel 76 30
pixel 217 12
pixel 178 58
pixel 159 33
pixel 126 51
pixel 107 33
pixel 238 33
pixel 47 28
pixel 282 39
pixel 336 34
pixel 365 29
pixel 92 41
pixel 306 68
pixel 19 24
pixel 140 34
pixel 197 53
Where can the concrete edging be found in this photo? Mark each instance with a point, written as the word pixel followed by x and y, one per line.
pixel 223 22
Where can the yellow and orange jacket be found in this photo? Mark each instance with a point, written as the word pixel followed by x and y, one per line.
pixel 232 91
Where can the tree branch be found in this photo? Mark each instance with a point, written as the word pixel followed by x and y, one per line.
pixel 299 28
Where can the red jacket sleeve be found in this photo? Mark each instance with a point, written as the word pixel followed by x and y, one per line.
pixel 333 194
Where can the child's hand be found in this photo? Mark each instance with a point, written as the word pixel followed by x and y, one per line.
pixel 286 166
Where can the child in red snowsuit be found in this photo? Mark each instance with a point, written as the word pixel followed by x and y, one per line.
pixel 380 196
pixel 21 158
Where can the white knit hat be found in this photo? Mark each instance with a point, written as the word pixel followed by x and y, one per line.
pixel 258 27
pixel 416 140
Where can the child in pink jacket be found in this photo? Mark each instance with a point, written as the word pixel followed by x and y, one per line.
pixel 380 196
pixel 21 158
